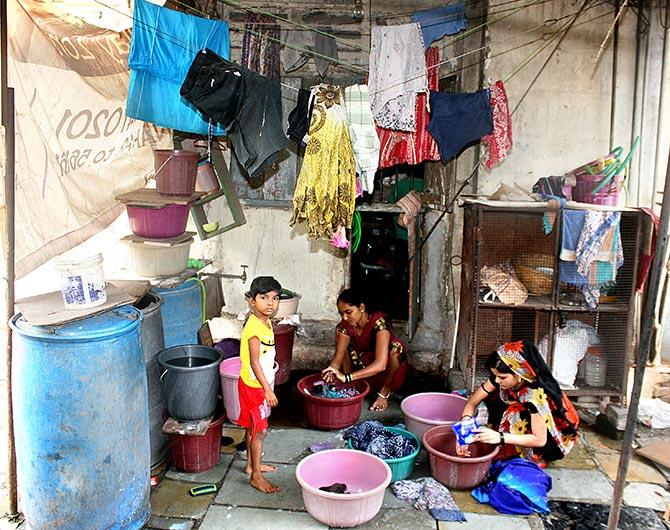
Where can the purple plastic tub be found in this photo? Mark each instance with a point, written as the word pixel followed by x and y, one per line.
pixel 158 223
pixel 366 477
pixel 428 409
pixel 607 196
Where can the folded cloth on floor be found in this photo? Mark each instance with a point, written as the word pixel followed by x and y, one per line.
pixel 457 120
pixel 158 64
pixel 440 21
pixel 371 436
pixel 248 102
pixel 397 73
pixel 428 493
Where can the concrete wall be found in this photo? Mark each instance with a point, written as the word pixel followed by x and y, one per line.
pixel 566 119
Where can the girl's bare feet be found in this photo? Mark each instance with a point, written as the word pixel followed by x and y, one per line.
pixel 262 484
pixel 265 468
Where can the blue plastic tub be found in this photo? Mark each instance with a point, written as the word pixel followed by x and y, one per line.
pixel 401 468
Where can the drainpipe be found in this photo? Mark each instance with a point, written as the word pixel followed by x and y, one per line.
pixel 615 64
pixel 7 104
pixel 639 95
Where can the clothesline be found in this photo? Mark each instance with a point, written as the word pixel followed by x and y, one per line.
pixel 481 158
pixel 467 2
pixel 183 45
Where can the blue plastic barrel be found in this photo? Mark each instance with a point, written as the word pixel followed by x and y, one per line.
pixel 81 422
pixel 182 313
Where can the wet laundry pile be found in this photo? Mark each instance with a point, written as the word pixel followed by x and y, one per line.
pixel 324 390
pixel 428 494
pixel 337 487
pixel 372 437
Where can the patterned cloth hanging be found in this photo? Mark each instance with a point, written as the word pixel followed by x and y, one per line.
pixel 401 147
pixel 260 53
pixel 499 142
pixel 325 190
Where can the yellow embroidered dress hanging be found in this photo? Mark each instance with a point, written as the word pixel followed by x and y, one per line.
pixel 325 191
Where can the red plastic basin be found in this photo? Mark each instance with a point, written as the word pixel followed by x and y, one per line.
pixel 331 414
pixel 457 472
pixel 158 223
pixel 195 454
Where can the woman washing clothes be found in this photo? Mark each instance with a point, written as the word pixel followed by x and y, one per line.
pixel 366 348
pixel 530 415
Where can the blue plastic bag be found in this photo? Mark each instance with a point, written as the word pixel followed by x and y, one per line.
pixel 515 486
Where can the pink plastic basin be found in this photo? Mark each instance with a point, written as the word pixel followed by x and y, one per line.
pixel 229 372
pixel 158 223
pixel 457 472
pixel 366 477
pixel 330 414
pixel 428 409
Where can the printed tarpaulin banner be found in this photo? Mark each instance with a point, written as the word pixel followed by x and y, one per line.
pixel 75 147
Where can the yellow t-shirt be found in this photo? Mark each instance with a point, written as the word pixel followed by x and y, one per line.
pixel 255 328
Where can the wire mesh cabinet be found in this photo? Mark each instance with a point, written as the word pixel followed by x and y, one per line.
pixel 512 235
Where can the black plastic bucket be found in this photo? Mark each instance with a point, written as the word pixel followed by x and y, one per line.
pixel 191 380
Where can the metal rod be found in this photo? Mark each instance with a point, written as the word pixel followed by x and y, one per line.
pixel 9 298
pixel 7 104
pixel 615 64
pixel 644 346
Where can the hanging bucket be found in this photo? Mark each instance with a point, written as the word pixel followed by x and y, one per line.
pixel 176 171
pixel 82 281
pixel 206 179
pixel 191 380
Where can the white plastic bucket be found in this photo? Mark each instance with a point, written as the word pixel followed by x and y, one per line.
pixel 159 261
pixel 82 281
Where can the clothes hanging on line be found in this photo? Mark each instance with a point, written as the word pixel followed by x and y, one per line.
pixel 364 140
pixel 499 142
pixel 326 186
pixel 402 147
pixel 440 21
pixel 591 251
pixel 298 118
pixel 260 45
pixel 397 74
pixel 222 90
pixel 324 45
pixel 159 61
pixel 458 119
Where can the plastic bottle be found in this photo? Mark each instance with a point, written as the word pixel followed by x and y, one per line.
pixel 596 367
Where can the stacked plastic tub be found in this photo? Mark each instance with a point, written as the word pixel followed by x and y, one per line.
pixel 159 246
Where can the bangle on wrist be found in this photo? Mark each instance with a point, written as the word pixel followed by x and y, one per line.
pixel 347 378
pixel 502 438
pixel 466 416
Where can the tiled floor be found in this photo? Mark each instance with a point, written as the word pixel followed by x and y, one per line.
pixel 585 476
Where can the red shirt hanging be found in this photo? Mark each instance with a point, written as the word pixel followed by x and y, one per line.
pixel 401 147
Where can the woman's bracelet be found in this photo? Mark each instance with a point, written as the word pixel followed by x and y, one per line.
pixel 502 438
pixel 347 378
pixel 466 416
